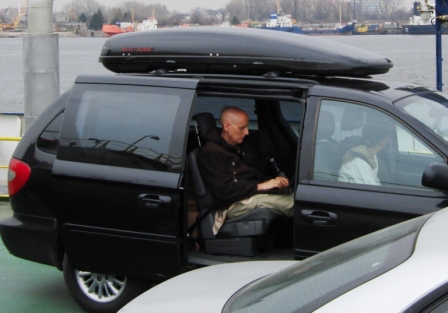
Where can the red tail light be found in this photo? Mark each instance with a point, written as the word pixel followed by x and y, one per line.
pixel 18 175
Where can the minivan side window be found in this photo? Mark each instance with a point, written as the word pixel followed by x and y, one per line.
pixel 293 114
pixel 49 138
pixel 360 145
pixel 215 105
pixel 126 128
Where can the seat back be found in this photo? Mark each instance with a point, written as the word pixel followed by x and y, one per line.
pixel 204 123
pixel 204 197
pixel 327 156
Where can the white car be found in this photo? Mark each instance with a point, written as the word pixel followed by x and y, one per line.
pixel 403 268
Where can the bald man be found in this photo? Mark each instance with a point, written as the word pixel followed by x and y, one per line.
pixel 232 168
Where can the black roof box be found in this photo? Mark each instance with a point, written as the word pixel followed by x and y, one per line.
pixel 237 51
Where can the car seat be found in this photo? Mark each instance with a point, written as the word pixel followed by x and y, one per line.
pixel 357 140
pixel 236 236
pixel 328 154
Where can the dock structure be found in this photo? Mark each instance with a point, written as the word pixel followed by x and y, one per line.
pixel 441 16
pixel 40 60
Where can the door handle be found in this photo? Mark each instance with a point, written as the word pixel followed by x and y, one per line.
pixel 153 201
pixel 318 218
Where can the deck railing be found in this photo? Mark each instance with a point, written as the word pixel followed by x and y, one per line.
pixel 3 189
pixel 10 132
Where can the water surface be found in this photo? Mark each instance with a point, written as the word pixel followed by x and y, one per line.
pixel 413 58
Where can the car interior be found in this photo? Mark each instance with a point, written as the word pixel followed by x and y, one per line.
pixel 271 125
pixel 343 126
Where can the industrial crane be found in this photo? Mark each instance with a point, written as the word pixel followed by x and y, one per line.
pixel 20 12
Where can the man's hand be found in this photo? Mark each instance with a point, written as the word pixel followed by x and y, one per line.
pixel 278 182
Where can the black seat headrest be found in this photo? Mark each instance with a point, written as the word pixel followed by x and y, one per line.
pixel 352 118
pixel 327 125
pixel 206 123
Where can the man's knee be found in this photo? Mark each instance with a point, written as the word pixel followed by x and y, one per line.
pixel 280 204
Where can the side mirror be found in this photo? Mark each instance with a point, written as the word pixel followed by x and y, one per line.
pixel 436 176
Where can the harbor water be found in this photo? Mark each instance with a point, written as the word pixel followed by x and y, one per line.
pixel 413 56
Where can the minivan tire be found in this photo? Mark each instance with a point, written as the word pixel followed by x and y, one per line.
pixel 101 293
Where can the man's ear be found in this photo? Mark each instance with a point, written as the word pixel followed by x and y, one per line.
pixel 225 126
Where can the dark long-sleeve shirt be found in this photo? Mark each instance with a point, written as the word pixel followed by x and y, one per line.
pixel 231 172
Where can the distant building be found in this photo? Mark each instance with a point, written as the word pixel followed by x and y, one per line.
pixel 61 17
pixel 64 22
pixel 368 6
pixel 70 27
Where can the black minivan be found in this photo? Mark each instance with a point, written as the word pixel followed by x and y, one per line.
pixel 101 183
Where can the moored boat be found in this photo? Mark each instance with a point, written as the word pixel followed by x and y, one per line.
pixel 149 24
pixel 283 22
pixel 423 29
pixel 119 28
pixel 417 26
pixel 328 29
pixel 128 27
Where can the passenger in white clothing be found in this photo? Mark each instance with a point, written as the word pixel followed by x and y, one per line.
pixel 358 171
pixel 360 163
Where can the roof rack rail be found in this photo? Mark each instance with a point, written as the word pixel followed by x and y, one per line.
pixel 294 80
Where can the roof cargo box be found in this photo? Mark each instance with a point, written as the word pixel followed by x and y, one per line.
pixel 234 50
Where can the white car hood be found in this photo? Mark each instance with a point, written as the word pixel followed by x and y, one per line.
pixel 202 290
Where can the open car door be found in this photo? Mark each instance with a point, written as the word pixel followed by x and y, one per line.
pixel 118 175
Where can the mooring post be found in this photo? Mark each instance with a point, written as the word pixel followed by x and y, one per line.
pixel 40 60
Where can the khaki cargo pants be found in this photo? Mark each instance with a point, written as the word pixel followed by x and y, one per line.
pixel 280 204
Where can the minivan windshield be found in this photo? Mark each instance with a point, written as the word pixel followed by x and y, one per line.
pixel 431 109
pixel 316 281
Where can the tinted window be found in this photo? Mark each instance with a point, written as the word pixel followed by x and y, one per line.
pixel 215 105
pixel 49 138
pixel 293 113
pixel 430 109
pixel 133 127
pixel 316 281
pixel 357 144
pixel 440 306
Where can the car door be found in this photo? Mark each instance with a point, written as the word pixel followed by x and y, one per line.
pixel 118 175
pixel 333 208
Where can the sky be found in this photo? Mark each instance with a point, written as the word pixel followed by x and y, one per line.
pixel 183 6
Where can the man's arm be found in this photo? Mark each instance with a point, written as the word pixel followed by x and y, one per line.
pixel 278 182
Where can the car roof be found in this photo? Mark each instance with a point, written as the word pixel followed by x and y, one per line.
pixel 192 292
pixel 390 91
pixel 332 86
pixel 402 287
